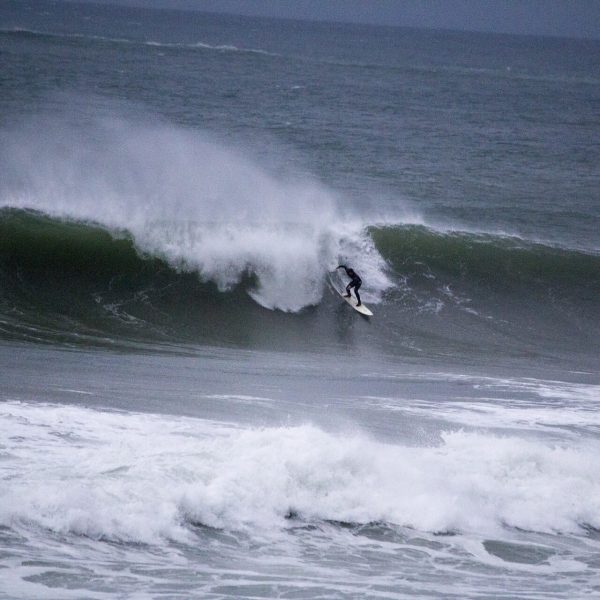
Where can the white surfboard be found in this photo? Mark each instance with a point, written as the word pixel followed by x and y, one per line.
pixel 352 301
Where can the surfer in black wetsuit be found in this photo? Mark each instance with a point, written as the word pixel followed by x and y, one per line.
pixel 355 282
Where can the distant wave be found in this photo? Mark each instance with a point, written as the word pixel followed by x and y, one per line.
pixel 508 72
pixel 19 31
pixel 99 38
pixel 218 47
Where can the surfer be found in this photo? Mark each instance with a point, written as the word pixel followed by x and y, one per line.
pixel 355 282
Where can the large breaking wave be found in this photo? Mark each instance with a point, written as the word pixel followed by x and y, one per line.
pixel 112 229
pixel 187 200
pixel 81 280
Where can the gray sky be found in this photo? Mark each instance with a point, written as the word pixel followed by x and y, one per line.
pixel 572 18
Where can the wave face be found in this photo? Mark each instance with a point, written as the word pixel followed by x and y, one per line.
pixel 75 281
pixel 489 261
pixel 491 289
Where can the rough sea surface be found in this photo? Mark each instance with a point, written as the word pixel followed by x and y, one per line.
pixel 187 407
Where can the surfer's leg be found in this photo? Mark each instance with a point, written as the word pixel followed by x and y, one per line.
pixel 356 292
pixel 348 290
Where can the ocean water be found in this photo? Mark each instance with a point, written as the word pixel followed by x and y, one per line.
pixel 187 407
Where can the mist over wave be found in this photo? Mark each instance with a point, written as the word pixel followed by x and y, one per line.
pixel 189 200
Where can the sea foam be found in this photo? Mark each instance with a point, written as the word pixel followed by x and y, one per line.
pixel 137 477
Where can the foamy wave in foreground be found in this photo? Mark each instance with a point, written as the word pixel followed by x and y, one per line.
pixel 142 478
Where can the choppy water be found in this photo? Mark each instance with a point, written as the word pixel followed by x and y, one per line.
pixel 189 410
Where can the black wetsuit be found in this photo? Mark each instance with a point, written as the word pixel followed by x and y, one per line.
pixel 355 282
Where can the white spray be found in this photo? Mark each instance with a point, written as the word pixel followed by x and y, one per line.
pixel 192 201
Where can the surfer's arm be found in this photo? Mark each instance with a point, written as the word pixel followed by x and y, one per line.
pixel 351 273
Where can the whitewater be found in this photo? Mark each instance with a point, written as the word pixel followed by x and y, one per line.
pixel 187 407
pixel 176 472
pixel 206 209
pixel 243 486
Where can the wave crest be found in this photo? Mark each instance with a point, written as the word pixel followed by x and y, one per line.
pixel 186 199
